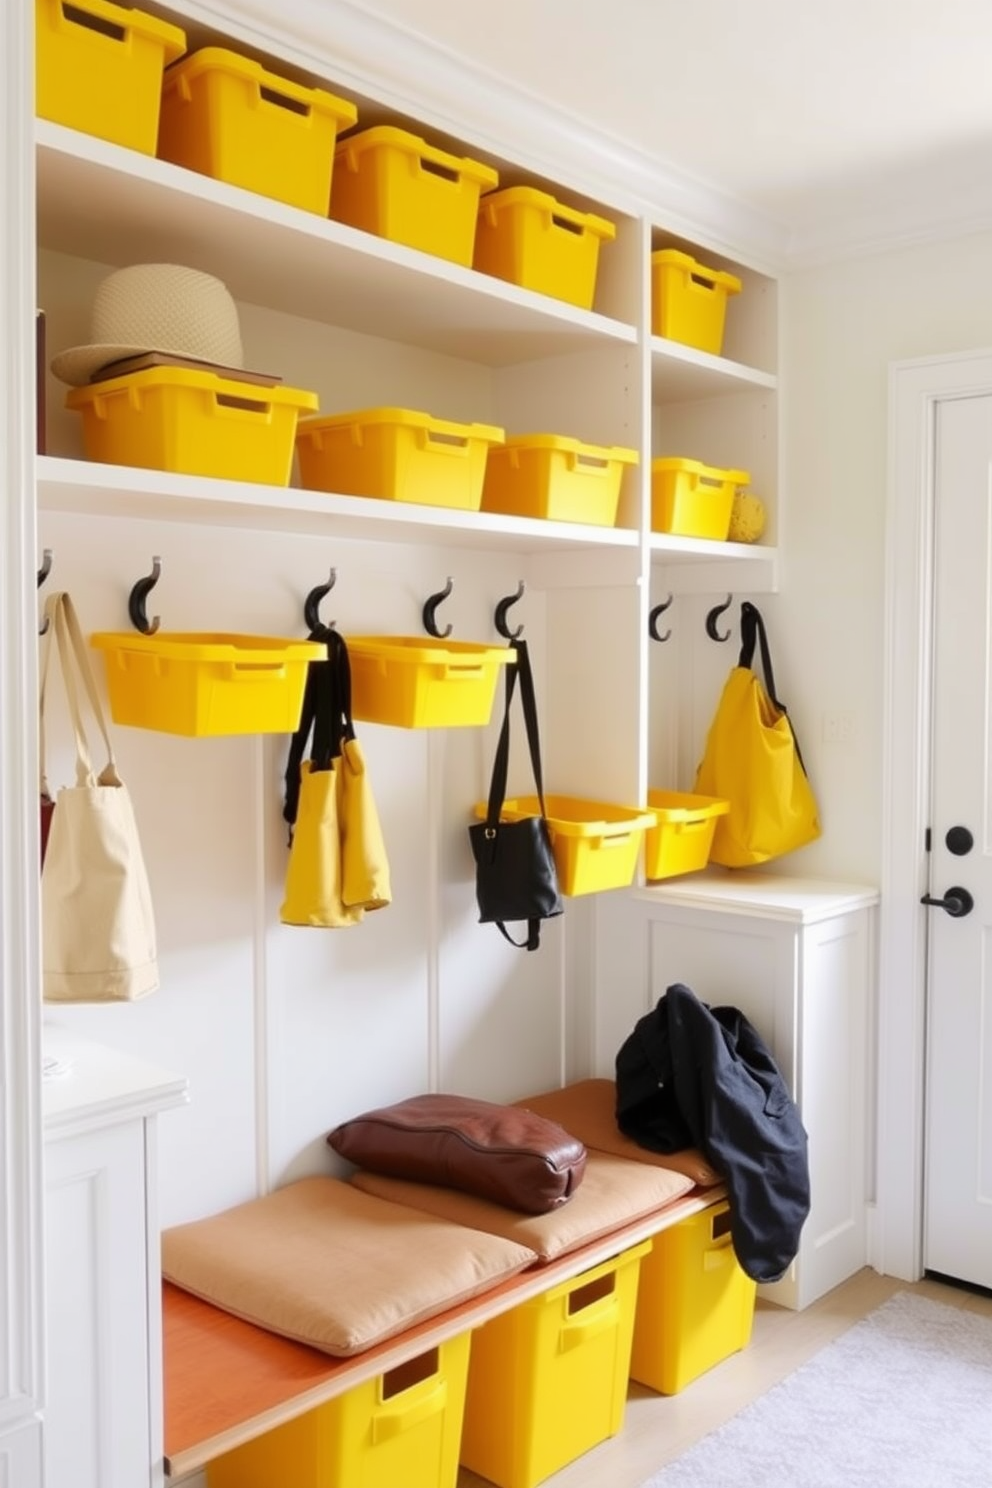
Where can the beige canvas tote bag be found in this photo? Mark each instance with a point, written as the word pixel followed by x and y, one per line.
pixel 98 927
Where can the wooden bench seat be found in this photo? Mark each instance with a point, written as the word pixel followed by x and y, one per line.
pixel 227 1381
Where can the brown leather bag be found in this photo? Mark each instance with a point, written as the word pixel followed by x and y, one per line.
pixel 506 1154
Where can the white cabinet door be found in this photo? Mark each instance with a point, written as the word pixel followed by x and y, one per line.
pixel 97 1416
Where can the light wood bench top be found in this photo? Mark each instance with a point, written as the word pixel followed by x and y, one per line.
pixel 227 1381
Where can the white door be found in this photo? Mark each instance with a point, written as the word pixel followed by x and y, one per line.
pixel 957 1238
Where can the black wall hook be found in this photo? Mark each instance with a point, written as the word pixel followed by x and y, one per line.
pixel 137 598
pixel 653 620
pixel 713 617
pixel 311 613
pixel 43 572
pixel 430 610
pixel 499 619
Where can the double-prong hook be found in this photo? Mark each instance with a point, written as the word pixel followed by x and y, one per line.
pixel 430 610
pixel 43 572
pixel 311 613
pixel 499 618
pixel 653 618
pixel 137 598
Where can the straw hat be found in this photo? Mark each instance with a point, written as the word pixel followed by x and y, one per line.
pixel 156 307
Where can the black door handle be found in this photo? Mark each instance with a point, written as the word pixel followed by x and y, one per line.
pixel 957 902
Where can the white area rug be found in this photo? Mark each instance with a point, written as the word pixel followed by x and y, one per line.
pixel 901 1400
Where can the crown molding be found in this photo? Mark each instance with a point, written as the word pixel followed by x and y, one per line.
pixel 890 231
pixel 366 54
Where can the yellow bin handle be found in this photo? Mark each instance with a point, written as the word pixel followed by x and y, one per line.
pixel 388 1423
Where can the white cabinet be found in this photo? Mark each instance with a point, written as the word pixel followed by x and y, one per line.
pixel 103 1291
pixel 797 957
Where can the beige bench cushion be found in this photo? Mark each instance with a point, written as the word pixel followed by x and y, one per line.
pixel 612 1193
pixel 329 1266
pixel 587 1109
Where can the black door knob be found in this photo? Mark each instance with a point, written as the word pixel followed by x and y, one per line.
pixel 957 902
pixel 959 841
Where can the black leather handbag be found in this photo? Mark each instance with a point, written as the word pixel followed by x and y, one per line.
pixel 515 874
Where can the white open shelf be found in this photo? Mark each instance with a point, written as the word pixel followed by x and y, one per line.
pixel 116 206
pixel 680 373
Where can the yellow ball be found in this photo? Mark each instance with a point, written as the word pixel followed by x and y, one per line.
pixel 747 518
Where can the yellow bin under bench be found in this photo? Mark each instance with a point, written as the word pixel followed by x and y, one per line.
pixel 531 239
pixel 548 1380
pixel 228 117
pixel 393 183
pixel 595 843
pixel 191 683
pixel 682 835
pixel 690 499
pixel 416 682
pixel 192 422
pixel 695 1306
pixel 396 454
pixel 399 1430
pixel 688 300
pixel 98 68
pixel 557 478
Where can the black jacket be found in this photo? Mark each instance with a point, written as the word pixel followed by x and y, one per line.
pixel 694 1076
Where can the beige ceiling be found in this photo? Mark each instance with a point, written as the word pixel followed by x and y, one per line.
pixel 838 120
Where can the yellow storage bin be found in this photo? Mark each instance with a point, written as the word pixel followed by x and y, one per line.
pixel 688 300
pixel 393 183
pixel 228 117
pixel 681 838
pixel 548 1380
pixel 197 423
pixel 414 682
pixel 186 682
pixel 398 1430
pixel 595 843
pixel 695 1306
pixel 396 454
pixel 689 499
pixel 553 476
pixel 526 236
pixel 98 68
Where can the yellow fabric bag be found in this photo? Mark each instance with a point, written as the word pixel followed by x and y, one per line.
pixel 364 865
pixel 752 759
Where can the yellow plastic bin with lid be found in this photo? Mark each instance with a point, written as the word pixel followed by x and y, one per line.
pixel 556 477
pixel 98 68
pixel 391 182
pixel 416 682
pixel 529 238
pixel 690 499
pixel 229 117
pixel 192 422
pixel 400 1429
pixel 689 300
pixel 695 1305
pixel 195 683
pixel 595 843
pixel 682 835
pixel 396 454
pixel 548 1379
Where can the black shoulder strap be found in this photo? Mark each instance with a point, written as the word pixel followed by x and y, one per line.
pixel 497 786
pixel 752 630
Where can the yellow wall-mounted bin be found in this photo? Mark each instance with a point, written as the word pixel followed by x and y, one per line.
pixel 393 183
pixel 400 1428
pixel 396 454
pixel 695 1306
pixel 415 682
pixel 689 499
pixel 191 683
pixel 681 838
pixel 98 69
pixel 526 236
pixel 556 477
pixel 688 300
pixel 193 422
pixel 595 843
pixel 548 1379
pixel 228 117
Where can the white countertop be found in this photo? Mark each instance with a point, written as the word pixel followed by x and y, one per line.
pixel 100 1085
pixel 772 896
